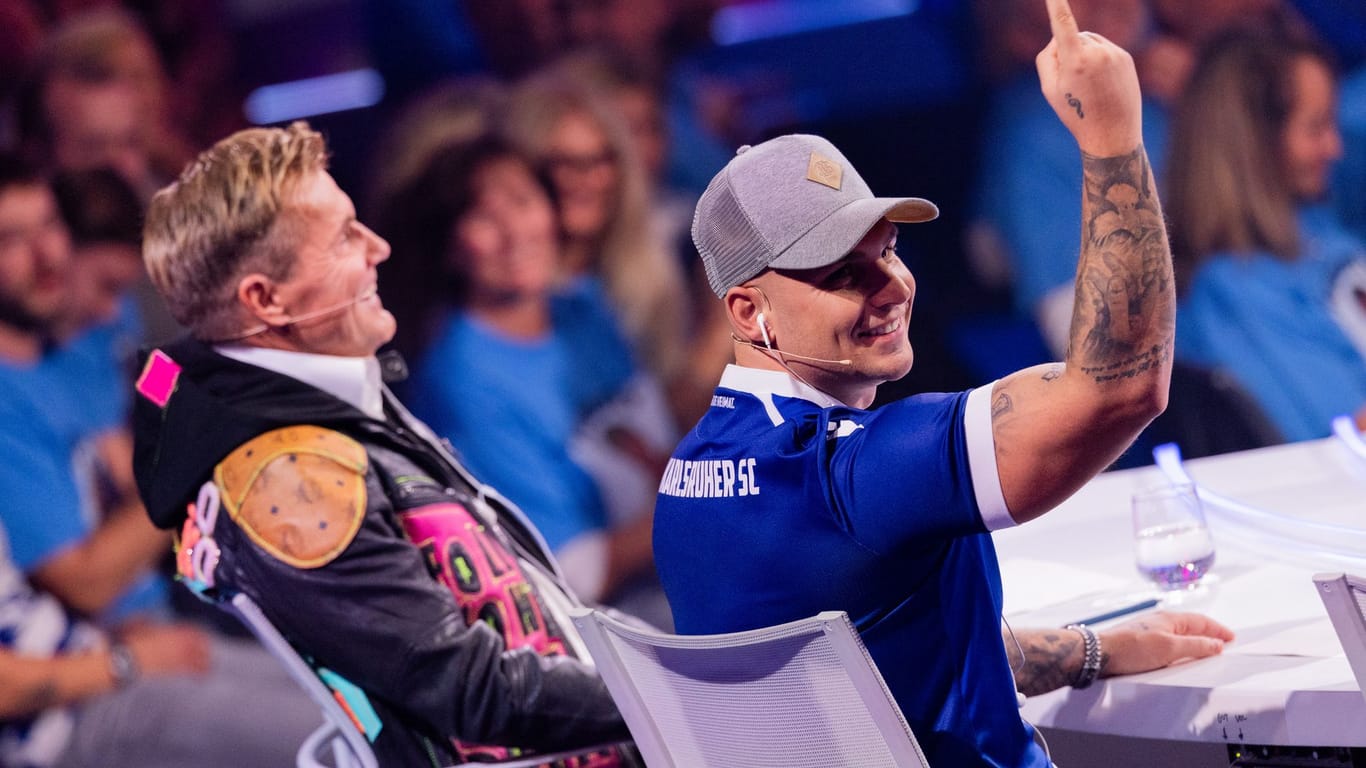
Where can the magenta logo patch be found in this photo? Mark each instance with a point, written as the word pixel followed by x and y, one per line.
pixel 158 378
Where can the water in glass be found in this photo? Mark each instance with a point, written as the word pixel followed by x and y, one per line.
pixel 1173 546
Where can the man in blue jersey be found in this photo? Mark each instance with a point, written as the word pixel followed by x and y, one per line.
pixel 789 498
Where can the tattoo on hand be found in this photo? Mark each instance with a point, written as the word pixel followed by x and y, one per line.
pixel 1075 104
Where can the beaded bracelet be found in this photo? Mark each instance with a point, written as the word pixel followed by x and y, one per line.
pixel 1090 665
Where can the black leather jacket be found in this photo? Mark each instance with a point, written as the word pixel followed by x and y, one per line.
pixel 375 614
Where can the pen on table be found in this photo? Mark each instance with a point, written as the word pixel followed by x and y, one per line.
pixel 1123 610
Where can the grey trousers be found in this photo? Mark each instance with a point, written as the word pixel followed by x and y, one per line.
pixel 245 712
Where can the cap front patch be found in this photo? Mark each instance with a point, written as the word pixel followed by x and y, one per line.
pixel 823 170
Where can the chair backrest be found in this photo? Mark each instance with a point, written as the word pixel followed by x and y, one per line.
pixel 1344 596
pixel 338 735
pixel 800 694
pixel 338 742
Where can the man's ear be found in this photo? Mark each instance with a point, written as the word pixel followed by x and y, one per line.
pixel 257 295
pixel 743 311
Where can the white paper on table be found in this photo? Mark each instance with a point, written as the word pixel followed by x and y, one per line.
pixel 1316 639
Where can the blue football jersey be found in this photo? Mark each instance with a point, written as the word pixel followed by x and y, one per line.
pixel 783 502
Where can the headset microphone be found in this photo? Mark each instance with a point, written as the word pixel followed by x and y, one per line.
pixel 768 342
pixel 783 356
pixel 358 298
pixel 786 355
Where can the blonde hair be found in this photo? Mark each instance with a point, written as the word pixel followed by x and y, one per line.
pixel 222 218
pixel 1227 186
pixel 643 279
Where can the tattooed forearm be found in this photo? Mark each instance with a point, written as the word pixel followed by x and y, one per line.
pixel 1123 320
pixel 1052 659
pixel 1129 367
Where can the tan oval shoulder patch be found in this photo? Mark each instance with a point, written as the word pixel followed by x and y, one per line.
pixel 298 492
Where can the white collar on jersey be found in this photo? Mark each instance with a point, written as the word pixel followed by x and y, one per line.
pixel 758 381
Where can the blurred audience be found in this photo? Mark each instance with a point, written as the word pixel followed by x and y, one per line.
pixel 98 96
pixel 21 35
pixel 1024 233
pixel 149 696
pixel 638 98
pixel 77 528
pixel 450 112
pixel 104 217
pixel 1349 181
pixel 98 329
pixel 1273 284
pixel 525 377
pixel 1027 172
pixel 521 36
pixel 53 439
pixel 603 196
pixel 1180 29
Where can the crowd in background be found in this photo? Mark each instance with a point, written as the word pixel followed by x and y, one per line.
pixel 534 166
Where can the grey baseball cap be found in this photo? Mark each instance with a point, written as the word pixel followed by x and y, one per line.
pixel 793 202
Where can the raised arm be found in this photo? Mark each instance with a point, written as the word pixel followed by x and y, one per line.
pixel 1056 426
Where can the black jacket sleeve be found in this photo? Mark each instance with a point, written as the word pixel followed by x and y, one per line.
pixel 376 617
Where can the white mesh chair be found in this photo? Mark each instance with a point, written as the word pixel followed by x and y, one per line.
pixel 1345 598
pixel 337 743
pixel 338 736
pixel 791 696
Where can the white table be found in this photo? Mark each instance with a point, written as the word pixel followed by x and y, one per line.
pixel 1285 681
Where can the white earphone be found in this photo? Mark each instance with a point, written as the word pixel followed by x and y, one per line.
pixel 763 330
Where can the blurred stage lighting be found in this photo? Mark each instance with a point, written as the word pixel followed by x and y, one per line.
pixel 747 22
pixel 298 99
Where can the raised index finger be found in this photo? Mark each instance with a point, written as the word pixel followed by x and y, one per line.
pixel 1063 23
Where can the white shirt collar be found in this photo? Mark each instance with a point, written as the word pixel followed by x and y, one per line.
pixel 353 380
pixel 758 381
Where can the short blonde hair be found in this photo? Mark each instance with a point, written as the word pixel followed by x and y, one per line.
pixel 221 219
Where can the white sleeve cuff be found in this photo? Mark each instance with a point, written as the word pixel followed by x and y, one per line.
pixel 986 481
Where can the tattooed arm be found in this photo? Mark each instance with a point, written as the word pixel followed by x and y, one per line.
pixel 1056 426
pixel 1053 657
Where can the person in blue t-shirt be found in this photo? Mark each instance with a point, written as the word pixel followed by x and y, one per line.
pixel 529 377
pixel 1274 284
pixel 83 545
pixel 789 498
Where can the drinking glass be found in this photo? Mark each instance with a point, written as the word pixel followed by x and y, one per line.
pixel 1172 545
